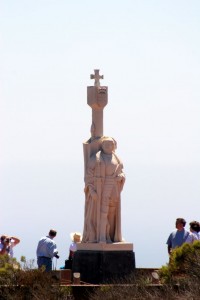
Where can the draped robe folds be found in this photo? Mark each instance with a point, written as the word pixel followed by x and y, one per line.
pixel 94 183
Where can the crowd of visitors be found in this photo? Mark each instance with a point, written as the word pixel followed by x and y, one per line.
pixel 47 249
pixel 180 236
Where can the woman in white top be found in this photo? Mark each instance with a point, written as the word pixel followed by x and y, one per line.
pixel 76 238
pixel 194 229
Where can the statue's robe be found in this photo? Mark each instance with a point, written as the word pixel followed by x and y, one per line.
pixel 95 182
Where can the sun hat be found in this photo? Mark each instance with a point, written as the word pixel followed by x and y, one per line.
pixel 75 236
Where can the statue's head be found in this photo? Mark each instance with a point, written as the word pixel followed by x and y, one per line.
pixel 108 145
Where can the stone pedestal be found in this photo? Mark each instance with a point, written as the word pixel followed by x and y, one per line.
pixel 64 276
pixel 103 263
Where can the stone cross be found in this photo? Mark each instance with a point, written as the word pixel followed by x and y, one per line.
pixel 96 78
pixel 97 98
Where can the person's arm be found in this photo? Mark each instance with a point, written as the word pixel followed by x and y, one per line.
pixel 169 244
pixel 15 240
pixel 169 248
pixel 52 249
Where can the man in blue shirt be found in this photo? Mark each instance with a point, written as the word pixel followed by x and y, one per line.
pixel 178 236
pixel 46 250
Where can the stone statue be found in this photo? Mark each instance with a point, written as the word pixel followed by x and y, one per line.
pixel 102 255
pixel 104 177
pixel 104 182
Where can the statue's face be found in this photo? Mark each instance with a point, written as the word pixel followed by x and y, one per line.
pixel 108 146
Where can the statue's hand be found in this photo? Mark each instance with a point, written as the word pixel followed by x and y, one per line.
pixel 94 196
pixel 120 178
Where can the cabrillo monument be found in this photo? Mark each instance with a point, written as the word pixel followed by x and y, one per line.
pixel 102 255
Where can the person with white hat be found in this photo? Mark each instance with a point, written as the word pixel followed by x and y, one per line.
pixel 76 238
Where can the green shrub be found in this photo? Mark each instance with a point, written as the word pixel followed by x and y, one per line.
pixel 21 281
pixel 184 263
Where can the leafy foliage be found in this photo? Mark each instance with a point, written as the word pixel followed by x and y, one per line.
pixel 184 262
pixel 21 281
pixel 179 280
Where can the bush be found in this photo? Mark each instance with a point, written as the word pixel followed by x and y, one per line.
pixel 184 262
pixel 19 281
pixel 179 280
pixel 135 286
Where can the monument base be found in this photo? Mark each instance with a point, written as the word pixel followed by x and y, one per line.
pixel 103 263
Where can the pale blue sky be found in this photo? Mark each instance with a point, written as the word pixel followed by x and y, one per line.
pixel 149 54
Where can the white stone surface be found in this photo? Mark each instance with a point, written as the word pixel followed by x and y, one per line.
pixel 104 178
pixel 105 247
